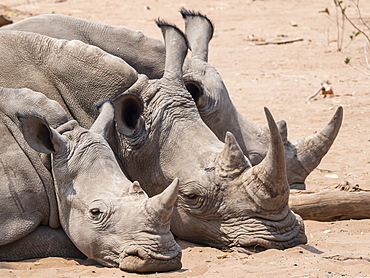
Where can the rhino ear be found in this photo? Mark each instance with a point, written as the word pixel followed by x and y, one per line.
pixel 128 110
pixel 40 136
pixel 176 48
pixel 104 123
pixel 199 31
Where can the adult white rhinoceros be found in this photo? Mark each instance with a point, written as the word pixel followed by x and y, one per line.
pixel 223 200
pixel 101 213
pixel 147 56
pixel 159 135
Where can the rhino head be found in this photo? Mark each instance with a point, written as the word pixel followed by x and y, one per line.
pixel 218 112
pixel 223 200
pixel 107 217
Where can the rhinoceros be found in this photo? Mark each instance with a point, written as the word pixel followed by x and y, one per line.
pixel 159 135
pixel 103 214
pixel 223 201
pixel 147 56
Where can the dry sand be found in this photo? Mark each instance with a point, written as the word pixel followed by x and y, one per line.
pixel 280 77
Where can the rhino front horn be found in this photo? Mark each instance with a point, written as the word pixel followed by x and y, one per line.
pixel 232 160
pixel 312 149
pixel 270 185
pixel 162 204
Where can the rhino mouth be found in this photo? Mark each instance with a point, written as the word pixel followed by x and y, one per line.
pixel 274 236
pixel 261 234
pixel 144 261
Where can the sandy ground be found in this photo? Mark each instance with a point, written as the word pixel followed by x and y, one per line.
pixel 280 77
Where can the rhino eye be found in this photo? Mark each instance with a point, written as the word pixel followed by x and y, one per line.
pixel 95 211
pixel 192 196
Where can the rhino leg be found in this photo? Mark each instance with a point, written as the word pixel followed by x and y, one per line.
pixel 43 242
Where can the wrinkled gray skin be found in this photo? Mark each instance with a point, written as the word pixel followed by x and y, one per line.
pixel 223 202
pixel 103 214
pixel 201 79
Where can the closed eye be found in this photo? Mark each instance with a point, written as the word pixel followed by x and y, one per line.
pixel 95 211
pixel 192 196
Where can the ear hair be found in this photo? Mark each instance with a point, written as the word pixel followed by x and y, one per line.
pixel 162 23
pixel 185 13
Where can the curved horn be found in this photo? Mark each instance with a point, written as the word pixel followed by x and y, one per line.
pixel 311 150
pixel 232 161
pixel 176 48
pixel 272 190
pixel 162 204
pixel 199 31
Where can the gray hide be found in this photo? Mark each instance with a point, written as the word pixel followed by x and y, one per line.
pixel 103 214
pixel 121 41
pixel 73 73
pixel 168 140
pixel 223 200
pixel 201 79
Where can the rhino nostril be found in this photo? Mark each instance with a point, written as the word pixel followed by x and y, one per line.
pixel 138 260
pixel 137 252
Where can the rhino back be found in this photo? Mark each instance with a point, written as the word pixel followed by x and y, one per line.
pixel 123 42
pixel 74 74
pixel 27 197
pixel 23 200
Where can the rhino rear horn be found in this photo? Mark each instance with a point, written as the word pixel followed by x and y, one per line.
pixel 135 190
pixel 232 160
pixel 176 49
pixel 162 204
pixel 282 126
pixel 311 150
pixel 199 31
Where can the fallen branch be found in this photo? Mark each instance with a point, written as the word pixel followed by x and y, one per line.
pixel 278 42
pixel 331 205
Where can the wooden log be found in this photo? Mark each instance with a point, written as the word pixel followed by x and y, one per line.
pixel 331 205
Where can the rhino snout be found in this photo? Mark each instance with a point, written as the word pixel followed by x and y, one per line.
pixel 140 260
pixel 283 234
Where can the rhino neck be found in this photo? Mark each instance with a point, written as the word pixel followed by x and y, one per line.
pixel 213 101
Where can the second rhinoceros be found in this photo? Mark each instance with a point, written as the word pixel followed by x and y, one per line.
pixel 103 214
pixel 147 56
